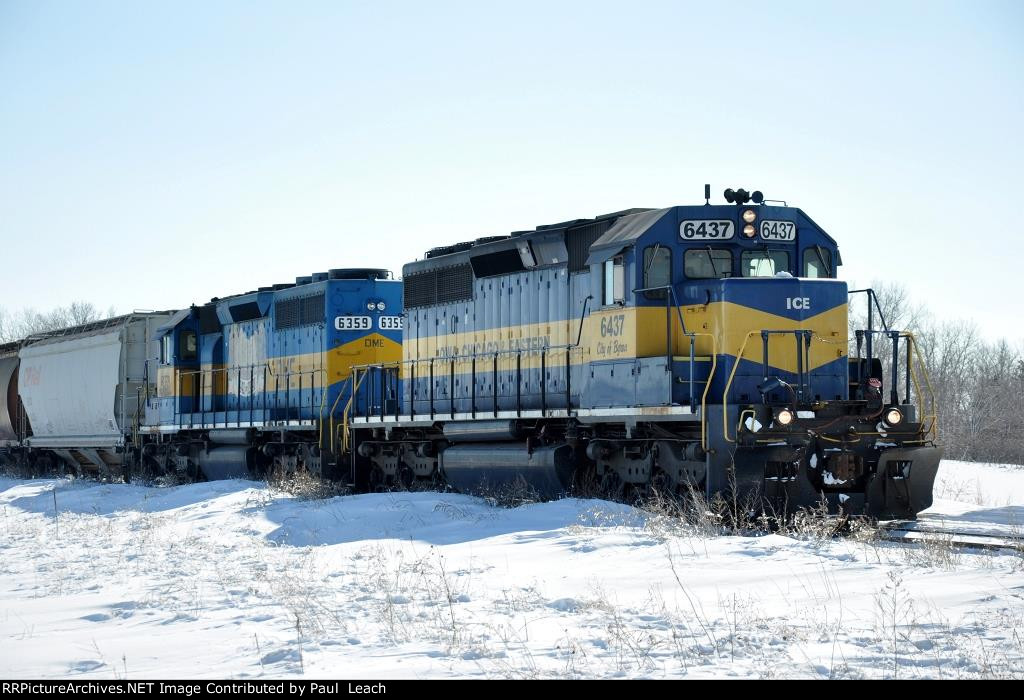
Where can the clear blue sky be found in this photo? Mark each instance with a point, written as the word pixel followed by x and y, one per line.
pixel 155 154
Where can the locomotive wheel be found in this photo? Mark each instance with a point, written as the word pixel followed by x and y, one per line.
pixel 611 486
pixel 377 480
pixel 585 483
pixel 405 478
pixel 661 485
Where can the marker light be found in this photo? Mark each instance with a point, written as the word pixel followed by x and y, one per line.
pixel 784 417
pixel 749 231
pixel 893 416
pixel 381 306
pixel 749 216
pixel 370 306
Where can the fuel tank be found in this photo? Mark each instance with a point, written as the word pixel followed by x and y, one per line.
pixel 484 468
pixel 227 462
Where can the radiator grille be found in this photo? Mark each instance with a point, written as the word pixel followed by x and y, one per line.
pixel 580 238
pixel 301 311
pixel 441 286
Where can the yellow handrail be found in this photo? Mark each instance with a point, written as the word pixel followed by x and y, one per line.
pixel 334 407
pixel 344 415
pixel 912 341
pixel 933 417
pixel 707 387
pixel 728 384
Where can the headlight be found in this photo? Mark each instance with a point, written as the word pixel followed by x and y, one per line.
pixel 784 417
pixel 749 230
pixel 893 416
pixel 749 216
pixel 370 306
pixel 381 306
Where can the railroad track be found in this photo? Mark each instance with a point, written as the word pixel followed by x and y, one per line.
pixel 916 531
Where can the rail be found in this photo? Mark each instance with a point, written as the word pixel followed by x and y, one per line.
pixel 384 377
pixel 872 304
pixel 932 414
pixel 672 302
pixel 348 407
pixel 914 364
pixel 803 369
pixel 331 414
pixel 383 381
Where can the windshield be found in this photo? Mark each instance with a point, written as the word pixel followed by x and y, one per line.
pixel 764 263
pixel 707 263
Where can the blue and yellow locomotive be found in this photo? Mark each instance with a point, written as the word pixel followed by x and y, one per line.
pixel 693 347
pixel 247 384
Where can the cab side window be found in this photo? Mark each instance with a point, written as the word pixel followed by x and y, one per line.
pixel 614 281
pixel 187 346
pixel 657 270
pixel 817 262
pixel 166 350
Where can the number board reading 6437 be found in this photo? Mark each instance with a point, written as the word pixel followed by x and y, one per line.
pixel 706 230
pixel 778 230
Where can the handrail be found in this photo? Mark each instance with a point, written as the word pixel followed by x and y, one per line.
pixel 871 327
pixel 344 416
pixel 330 416
pixel 692 335
pixel 728 385
pixel 802 349
pixel 543 351
pixel 213 372
pixel 933 416
pixel 707 387
pixel 871 297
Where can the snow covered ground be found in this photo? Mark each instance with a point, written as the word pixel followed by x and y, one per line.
pixel 231 579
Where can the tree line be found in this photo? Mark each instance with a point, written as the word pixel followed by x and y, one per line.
pixel 978 384
pixel 28 322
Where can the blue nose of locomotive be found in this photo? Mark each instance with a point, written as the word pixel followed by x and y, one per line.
pixel 779 327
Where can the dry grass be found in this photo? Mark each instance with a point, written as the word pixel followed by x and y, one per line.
pixel 305 486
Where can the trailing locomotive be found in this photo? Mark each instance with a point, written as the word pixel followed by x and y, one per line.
pixel 688 348
pixel 248 384
pixel 233 388
pixel 692 348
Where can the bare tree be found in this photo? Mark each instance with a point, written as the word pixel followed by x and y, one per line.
pixel 898 310
pixel 978 386
pixel 29 321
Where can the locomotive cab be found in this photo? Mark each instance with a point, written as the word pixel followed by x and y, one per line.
pixel 700 274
